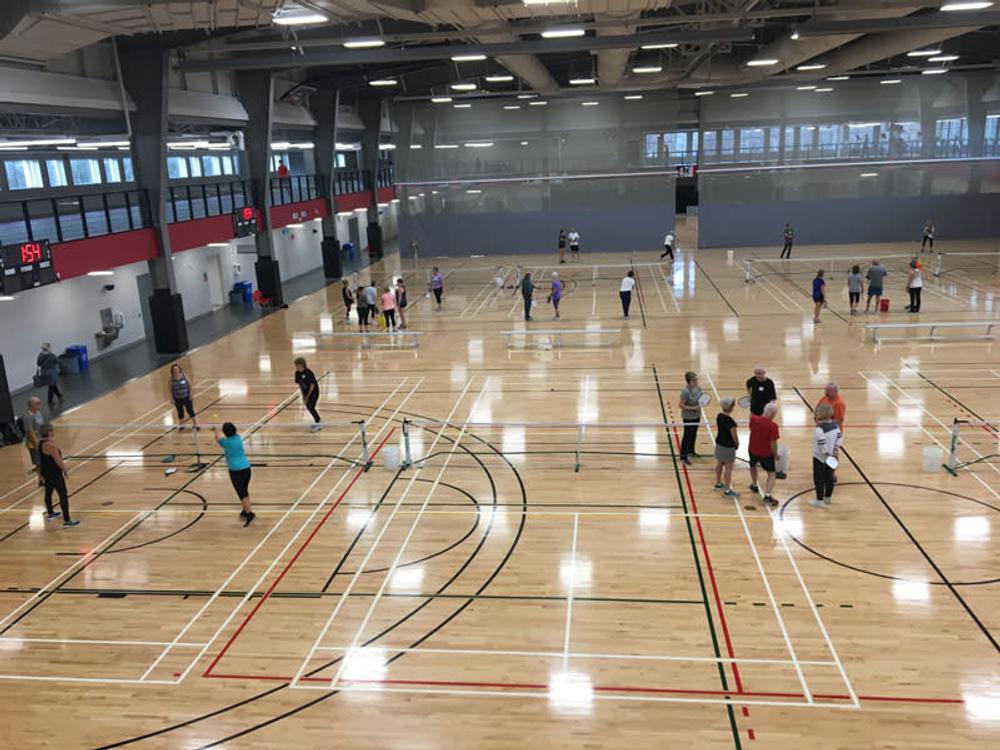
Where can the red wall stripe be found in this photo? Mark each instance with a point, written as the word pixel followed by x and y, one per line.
pixel 186 235
pixel 293 213
pixel 80 257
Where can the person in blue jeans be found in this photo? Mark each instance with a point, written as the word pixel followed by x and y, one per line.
pixel 48 369
pixel 818 294
pixel 239 468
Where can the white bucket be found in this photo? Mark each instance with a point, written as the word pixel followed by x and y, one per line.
pixel 781 463
pixel 933 458
pixel 390 457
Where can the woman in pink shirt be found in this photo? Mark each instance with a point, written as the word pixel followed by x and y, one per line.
pixel 389 308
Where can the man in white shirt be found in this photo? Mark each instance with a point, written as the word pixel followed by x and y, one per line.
pixel 625 291
pixel 668 247
pixel 574 243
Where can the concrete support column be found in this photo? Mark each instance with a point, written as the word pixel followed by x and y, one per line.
pixel 370 111
pixel 256 92
pixel 324 105
pixel 145 70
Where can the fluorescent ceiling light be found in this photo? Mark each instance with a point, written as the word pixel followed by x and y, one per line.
pixel 383 82
pixel 975 5
pixel 387 147
pixel 345 213
pixel 665 45
pixel 461 106
pixel 582 81
pixel 703 93
pixel 862 124
pixel 537 104
pixel 838 78
pixel 648 69
pixel 740 95
pixel 762 62
pixel 524 143
pixel 499 79
pixel 25 148
pixel 804 88
pixel 589 104
pixel 473 192
pixel 811 66
pixel 298 18
pixel 933 71
pixel 869 174
pixel 632 97
pixel 924 53
pixel 527 96
pixel 464 86
pixel 562 33
pixel 823 90
pixel 6 299
pixel 42 142
pixel 512 106
pixel 479 144
pixel 441 99
pixel 468 58
pixel 363 43
pixel 445 145
pixel 889 81
pixel 188 144
pixel 101 273
pixel 103 144
pixel 415 147
pixel 943 58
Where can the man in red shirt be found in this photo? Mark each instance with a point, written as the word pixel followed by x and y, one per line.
pixel 832 397
pixel 763 449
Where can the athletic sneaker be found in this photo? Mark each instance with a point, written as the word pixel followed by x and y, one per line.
pixel 248 519
pixel 816 503
pixel 718 487
pixel 685 460
pixel 316 427
pixel 781 475
pixel 243 514
pixel 53 516
pixel 69 524
pixel 731 493
pixel 827 501
pixel 770 501
pixel 754 489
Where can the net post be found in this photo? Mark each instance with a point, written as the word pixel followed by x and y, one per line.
pixel 365 458
pixel 406 444
pixel 937 265
pixel 953 448
pixel 579 441
pixel 593 278
pixel 748 277
pixel 198 464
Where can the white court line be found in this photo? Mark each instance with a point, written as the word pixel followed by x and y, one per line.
pixel 495 294
pixel 484 288
pixel 792 299
pixel 669 284
pixel 360 568
pixel 656 286
pixel 603 695
pixel 69 641
pixel 760 284
pixel 88 680
pixel 569 595
pixel 583 655
pixel 349 470
pixel 13 505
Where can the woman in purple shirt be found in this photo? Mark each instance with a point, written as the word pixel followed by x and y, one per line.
pixel 437 286
pixel 819 294
pixel 556 293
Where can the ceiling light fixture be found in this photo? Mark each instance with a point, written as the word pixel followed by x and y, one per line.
pixel 811 66
pixel 703 93
pixel 933 71
pixel 415 147
pixel 444 146
pixel 441 99
pixel 589 104
pixel 479 144
pixel 869 174
pixel 632 97
pixel 383 82
pixel 468 58
pixel 804 88
pixel 363 43
pixel 762 62
pixel 512 106
pixel 298 17
pixel 582 81
pixel 943 58
pixel 562 33
pixel 499 79
pixel 527 96
pixel 537 104
pixel 647 69
pixel 41 142
pixel 923 53
pixel 101 273
pixel 524 143
pixel 473 192
pixel 973 5
pixel 838 78
pixel 461 106
pixel 890 81
pixel 387 147
pixel 664 45
pixel 464 86
pixel 740 95
pixel 823 90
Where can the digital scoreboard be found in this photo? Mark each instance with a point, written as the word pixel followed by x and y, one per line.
pixel 245 221
pixel 26 265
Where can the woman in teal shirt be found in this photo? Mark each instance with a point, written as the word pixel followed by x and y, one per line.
pixel 239 468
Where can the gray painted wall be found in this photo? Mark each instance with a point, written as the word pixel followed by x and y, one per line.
pixel 888 219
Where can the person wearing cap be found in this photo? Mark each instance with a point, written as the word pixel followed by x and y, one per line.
pixel 556 292
pixel 727 440
pixel 826 440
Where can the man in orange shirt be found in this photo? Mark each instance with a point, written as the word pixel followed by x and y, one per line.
pixel 831 396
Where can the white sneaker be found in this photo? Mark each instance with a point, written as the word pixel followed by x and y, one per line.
pixel 817 503
pixel 827 501
pixel 315 427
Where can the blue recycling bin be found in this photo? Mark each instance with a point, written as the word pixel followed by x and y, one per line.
pixel 348 247
pixel 80 352
pixel 246 289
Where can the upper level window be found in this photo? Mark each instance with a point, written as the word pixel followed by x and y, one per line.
pixel 57 173
pixel 23 174
pixel 127 169
pixel 85 171
pixel 112 170
pixel 211 166
pixel 177 167
pixel 227 164
pixel 195 165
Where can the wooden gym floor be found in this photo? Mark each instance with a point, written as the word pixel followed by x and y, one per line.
pixel 491 595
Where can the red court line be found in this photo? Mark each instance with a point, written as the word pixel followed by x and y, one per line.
pixel 708 565
pixel 295 557
pixel 603 689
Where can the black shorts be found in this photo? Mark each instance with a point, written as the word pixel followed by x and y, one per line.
pixel 855 297
pixel 181 404
pixel 765 462
pixel 241 482
pixel 574 248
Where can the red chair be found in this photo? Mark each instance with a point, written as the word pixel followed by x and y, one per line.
pixel 264 303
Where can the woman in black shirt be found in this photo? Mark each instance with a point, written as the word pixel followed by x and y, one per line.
pixel 727 440
pixel 305 379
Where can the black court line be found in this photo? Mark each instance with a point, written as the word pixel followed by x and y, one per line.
pixel 714 286
pixel 9 534
pixel 805 292
pixel 916 543
pixel 937 387
pixel 638 288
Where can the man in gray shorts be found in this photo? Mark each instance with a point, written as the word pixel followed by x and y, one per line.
pixel 33 422
pixel 876 277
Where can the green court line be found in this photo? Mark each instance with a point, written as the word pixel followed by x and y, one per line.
pixel 697 562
